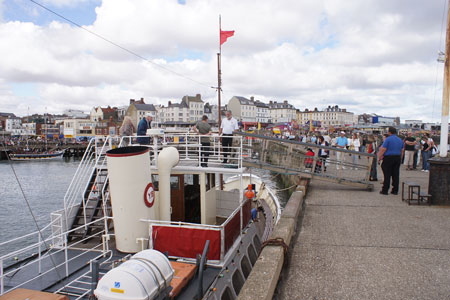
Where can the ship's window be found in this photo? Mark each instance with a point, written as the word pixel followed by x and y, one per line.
pixel 210 181
pixel 245 266
pixel 252 254
pixel 238 281
pixel 174 182
pixel 227 294
pixel 257 243
pixel 188 179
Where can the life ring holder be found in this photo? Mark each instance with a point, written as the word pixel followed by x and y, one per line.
pixel 149 195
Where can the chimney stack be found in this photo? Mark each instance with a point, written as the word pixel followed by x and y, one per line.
pixel 170 103
pixel 252 98
pixel 198 96
pixel 132 101
pixel 285 102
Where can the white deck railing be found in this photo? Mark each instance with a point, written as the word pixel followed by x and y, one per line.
pixel 44 248
pixel 192 151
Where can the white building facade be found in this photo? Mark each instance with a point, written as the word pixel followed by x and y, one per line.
pixel 243 109
pixel 281 112
pixel 330 116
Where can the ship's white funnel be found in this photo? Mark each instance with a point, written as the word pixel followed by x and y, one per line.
pixel 129 175
pixel 167 159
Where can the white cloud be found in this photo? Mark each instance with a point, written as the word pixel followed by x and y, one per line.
pixel 368 56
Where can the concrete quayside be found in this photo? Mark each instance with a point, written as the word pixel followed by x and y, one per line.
pixel 349 243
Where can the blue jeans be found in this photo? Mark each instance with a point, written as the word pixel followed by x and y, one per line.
pixel 425 156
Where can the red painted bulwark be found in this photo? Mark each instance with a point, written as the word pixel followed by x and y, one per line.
pixel 232 231
pixel 246 213
pixel 186 242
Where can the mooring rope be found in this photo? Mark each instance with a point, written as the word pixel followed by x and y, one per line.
pixel 281 190
pixel 277 242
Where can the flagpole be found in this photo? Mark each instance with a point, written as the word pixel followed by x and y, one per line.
pixel 219 88
pixel 219 75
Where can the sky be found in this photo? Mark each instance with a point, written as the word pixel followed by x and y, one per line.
pixel 368 56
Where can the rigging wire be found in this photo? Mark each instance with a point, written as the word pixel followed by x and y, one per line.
pixel 437 62
pixel 35 221
pixel 118 45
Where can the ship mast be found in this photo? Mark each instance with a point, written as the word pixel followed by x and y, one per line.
pixel 445 95
pixel 219 89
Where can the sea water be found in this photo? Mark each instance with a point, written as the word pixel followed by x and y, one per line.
pixel 44 184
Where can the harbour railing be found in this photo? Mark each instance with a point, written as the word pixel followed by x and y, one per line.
pixel 308 160
pixel 41 257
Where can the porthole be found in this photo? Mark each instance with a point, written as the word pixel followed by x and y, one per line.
pixel 252 254
pixel 245 266
pixel 227 294
pixel 238 281
pixel 257 243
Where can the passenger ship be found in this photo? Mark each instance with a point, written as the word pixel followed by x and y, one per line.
pixel 36 156
pixel 147 222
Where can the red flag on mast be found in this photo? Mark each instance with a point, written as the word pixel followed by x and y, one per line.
pixel 224 35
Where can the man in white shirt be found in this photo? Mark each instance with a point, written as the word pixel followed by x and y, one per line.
pixel 229 124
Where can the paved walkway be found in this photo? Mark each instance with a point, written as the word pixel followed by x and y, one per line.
pixel 362 245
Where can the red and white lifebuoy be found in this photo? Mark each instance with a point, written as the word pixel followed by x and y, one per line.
pixel 149 195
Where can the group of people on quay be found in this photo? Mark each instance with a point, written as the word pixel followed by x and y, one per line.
pixel 391 151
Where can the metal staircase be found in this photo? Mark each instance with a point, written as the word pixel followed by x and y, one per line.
pixel 95 198
pixel 96 204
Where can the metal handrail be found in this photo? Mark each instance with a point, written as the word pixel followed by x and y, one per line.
pixel 191 142
pixel 48 239
pixel 40 257
pixel 29 234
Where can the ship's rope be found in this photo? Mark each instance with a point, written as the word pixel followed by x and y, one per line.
pixel 285 189
pixel 278 242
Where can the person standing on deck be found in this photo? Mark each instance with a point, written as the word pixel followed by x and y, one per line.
pixel 228 126
pixel 391 153
pixel 203 128
pixel 341 142
pixel 126 130
pixel 143 125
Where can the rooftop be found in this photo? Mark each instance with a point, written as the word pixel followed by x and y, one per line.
pixel 146 107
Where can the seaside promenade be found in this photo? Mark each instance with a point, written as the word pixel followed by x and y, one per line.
pixel 355 244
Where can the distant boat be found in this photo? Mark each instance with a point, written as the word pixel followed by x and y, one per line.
pixel 36 156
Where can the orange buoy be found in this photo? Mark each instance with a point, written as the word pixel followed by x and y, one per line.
pixel 249 193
